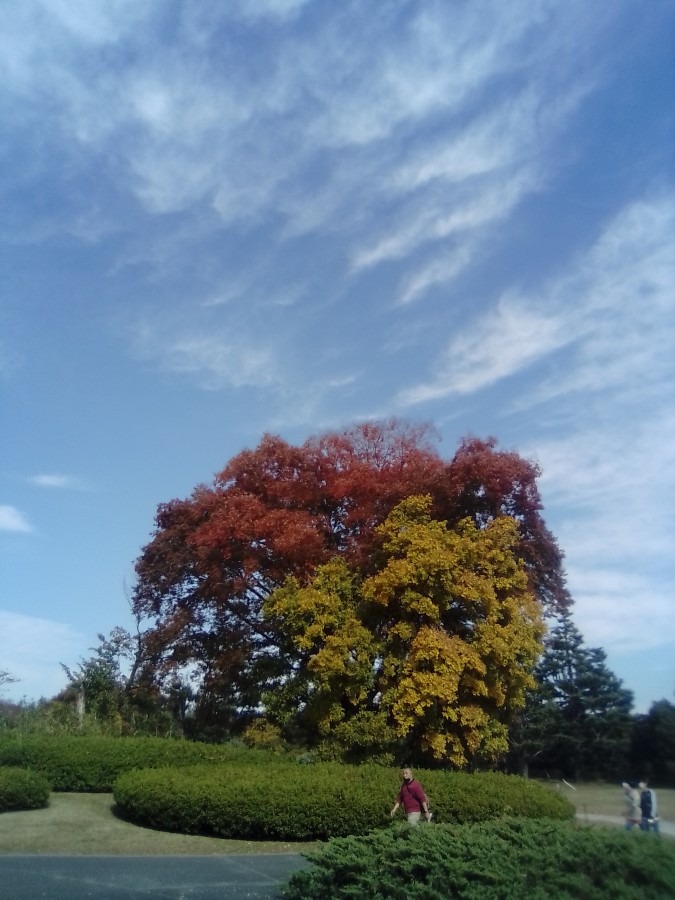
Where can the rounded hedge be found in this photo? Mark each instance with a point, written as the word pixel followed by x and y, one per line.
pixel 22 789
pixel 285 801
pixel 92 763
pixel 513 859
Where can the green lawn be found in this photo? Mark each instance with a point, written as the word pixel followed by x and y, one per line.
pixel 85 824
pixel 607 799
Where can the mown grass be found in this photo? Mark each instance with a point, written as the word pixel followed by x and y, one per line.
pixel 85 824
pixel 607 799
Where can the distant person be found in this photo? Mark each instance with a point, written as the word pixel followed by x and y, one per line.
pixel 412 798
pixel 633 813
pixel 649 820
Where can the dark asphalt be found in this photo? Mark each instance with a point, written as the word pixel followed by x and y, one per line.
pixel 157 877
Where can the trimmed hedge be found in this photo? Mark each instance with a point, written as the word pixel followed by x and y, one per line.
pixel 285 801
pixel 91 764
pixel 458 797
pixel 513 859
pixel 22 789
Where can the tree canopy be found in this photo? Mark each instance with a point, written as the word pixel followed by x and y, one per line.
pixel 254 583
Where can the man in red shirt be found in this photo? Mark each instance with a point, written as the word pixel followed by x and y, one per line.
pixel 413 799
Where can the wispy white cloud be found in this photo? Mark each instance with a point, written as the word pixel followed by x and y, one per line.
pixel 12 519
pixel 620 300
pixel 175 132
pixel 221 361
pixel 502 343
pixel 215 360
pixel 469 180
pixel 438 219
pixel 620 611
pixel 59 482
pixel 94 24
pixel 611 308
pixel 589 463
pixel 53 32
pixel 608 490
pixel 273 9
pixel 32 650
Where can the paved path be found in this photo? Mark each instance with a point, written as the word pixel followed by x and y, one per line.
pixel 666 828
pixel 228 877
pixel 150 877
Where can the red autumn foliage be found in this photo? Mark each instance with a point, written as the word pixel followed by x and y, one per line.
pixel 282 510
pixel 484 483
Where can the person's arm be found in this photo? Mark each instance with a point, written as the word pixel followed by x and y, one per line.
pixel 396 804
pixel 424 803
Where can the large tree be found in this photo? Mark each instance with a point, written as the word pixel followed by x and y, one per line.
pixel 282 510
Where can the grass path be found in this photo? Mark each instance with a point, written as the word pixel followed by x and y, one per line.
pixel 85 824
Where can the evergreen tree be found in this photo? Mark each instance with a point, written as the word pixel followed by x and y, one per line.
pixel 653 747
pixel 577 722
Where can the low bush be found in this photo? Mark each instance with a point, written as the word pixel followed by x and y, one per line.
pixel 22 789
pixel 513 859
pixel 91 764
pixel 286 801
pixel 458 797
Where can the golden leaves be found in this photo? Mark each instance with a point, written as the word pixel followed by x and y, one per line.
pixel 444 634
pixel 462 627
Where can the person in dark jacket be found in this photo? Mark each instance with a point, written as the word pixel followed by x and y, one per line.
pixel 648 808
pixel 412 798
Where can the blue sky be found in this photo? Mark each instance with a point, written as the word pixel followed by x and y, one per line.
pixel 218 220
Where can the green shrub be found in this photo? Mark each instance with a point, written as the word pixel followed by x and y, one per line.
pixel 91 764
pixel 283 801
pixel 22 789
pixel 462 798
pixel 512 859
pixel 287 801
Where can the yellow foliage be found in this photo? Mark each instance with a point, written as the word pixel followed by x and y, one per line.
pixel 323 621
pixel 464 629
pixel 445 635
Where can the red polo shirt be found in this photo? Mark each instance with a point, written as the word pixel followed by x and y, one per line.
pixel 411 796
